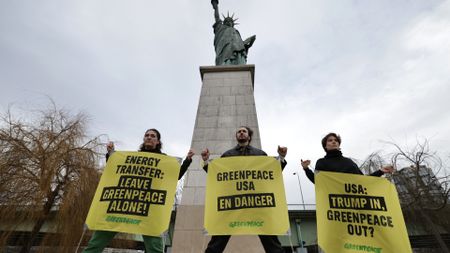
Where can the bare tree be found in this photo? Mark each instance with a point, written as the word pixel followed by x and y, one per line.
pixel 427 176
pixel 372 163
pixel 48 167
pixel 422 182
pixel 425 193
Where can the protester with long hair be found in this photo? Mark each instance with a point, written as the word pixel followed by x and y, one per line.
pixel 153 244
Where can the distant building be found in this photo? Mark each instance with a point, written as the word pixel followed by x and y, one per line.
pixel 421 194
pixel 418 182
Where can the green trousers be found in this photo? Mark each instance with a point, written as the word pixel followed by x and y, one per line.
pixel 100 239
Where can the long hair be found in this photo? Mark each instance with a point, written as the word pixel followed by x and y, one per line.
pixel 158 146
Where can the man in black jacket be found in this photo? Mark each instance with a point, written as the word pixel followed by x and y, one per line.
pixel 244 134
pixel 335 162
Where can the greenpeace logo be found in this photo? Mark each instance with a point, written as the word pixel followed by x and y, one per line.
pixel 234 224
pixel 122 220
pixel 363 248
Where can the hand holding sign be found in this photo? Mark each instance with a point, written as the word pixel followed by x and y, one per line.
pixel 305 164
pixel 110 147
pixel 389 169
pixel 190 154
pixel 282 151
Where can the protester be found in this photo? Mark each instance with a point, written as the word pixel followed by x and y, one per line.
pixel 335 162
pixel 153 244
pixel 244 134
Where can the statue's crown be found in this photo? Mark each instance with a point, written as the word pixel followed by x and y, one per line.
pixel 230 19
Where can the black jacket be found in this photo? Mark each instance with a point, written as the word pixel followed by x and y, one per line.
pixel 245 151
pixel 335 162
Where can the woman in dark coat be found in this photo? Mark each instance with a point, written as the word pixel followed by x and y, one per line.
pixel 153 244
pixel 334 161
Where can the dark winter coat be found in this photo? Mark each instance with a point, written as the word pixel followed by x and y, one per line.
pixel 335 162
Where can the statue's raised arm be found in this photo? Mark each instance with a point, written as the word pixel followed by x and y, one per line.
pixel 229 46
pixel 215 4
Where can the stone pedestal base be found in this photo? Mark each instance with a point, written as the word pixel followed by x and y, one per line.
pixel 226 103
pixel 190 238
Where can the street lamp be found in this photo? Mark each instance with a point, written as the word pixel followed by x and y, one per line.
pixel 301 192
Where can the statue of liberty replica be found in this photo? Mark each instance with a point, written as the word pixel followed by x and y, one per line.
pixel 229 46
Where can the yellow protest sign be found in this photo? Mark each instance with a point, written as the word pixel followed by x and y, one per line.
pixel 358 213
pixel 245 195
pixel 135 194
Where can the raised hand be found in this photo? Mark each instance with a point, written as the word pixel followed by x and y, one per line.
pixel 388 169
pixel 305 164
pixel 282 151
pixel 190 154
pixel 110 147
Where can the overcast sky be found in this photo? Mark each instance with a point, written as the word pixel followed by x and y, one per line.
pixel 368 70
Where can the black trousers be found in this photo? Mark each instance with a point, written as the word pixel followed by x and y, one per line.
pixel 218 243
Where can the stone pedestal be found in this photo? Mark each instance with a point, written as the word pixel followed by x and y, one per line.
pixel 226 102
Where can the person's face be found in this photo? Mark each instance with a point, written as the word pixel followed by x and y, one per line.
pixel 332 143
pixel 150 139
pixel 242 135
